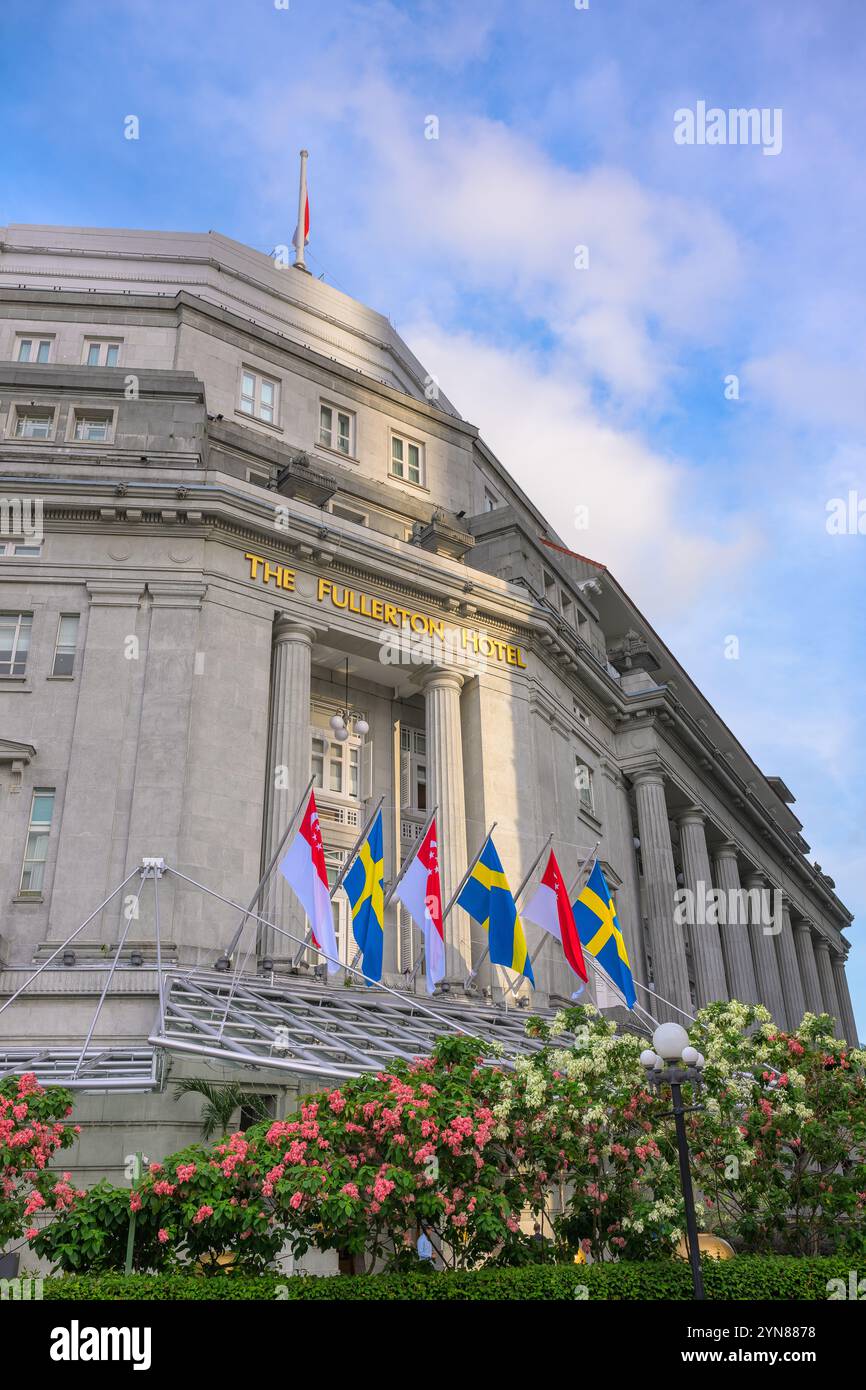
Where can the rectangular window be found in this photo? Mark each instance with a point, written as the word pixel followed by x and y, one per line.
pixel 34 423
pixel 413 770
pixel 19 550
pixel 258 396
pixel 101 352
pixel 491 502
pixel 33 350
pixel 549 587
pixel 336 429
pixel 567 608
pixel 15 629
pixel 583 783
pixel 36 850
pixel 64 647
pixel 92 426
pixel 318 760
pixel 407 459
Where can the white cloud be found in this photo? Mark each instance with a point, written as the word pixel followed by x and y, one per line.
pixel 645 521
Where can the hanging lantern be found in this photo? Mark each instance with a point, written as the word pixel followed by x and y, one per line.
pixel 341 734
pixel 362 727
pixel 337 723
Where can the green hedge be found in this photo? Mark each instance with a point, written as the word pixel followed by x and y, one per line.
pixel 748 1277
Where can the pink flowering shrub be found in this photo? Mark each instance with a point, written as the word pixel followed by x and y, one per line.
pixel 33 1129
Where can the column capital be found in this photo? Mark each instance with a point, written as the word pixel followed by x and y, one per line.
pixel 692 815
pixel 647 777
pixel 819 944
pixel 289 629
pixel 803 926
pixel 755 879
pixel 441 677
pixel 726 849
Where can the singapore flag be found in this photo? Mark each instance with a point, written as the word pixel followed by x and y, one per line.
pixel 303 865
pixel 420 893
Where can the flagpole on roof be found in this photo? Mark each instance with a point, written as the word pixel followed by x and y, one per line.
pixel 418 843
pixel 535 863
pixel 300 232
pixel 530 959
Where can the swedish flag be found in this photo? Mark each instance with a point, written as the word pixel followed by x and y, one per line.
pixel 598 929
pixel 363 884
pixel 487 897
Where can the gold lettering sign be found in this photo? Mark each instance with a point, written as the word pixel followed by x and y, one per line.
pixel 390 614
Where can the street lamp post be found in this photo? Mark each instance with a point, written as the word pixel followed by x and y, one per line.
pixel 673 1062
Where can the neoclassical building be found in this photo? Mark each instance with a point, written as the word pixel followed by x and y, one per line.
pixel 235 504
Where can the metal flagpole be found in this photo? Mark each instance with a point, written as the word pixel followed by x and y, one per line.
pixel 465 879
pixel 394 886
pixel 232 946
pixel 418 843
pixel 532 959
pixel 131 917
pixel 347 864
pixel 422 1008
pixel 302 214
pixel 535 863
pixel 64 944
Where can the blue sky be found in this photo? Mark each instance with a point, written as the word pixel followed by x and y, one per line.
pixel 602 387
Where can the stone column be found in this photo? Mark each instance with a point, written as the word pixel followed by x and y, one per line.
pixel 789 969
pixel 849 1024
pixel 828 984
pixel 742 984
pixel 445 776
pixel 761 932
pixel 808 968
pixel 667 940
pixel 288 770
pixel 707 955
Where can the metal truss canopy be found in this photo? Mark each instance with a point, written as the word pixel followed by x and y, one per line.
pixel 298 1026
pixel 100 1069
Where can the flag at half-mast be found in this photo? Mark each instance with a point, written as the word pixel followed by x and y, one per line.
pixel 303 866
pixel 598 928
pixel 420 893
pixel 363 885
pixel 550 909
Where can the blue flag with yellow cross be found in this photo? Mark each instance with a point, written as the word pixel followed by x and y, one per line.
pixel 487 897
pixel 363 885
pixel 598 929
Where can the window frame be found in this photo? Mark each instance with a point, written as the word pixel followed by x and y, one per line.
pixel 19 617
pixel 349 765
pixel 585 795
pixel 21 410
pixel 104 345
pixel 408 441
pixel 36 340
pixel 78 413
pixel 259 378
pixel 413 761
pixel 13 549
pixel 36 829
pixel 351 452
pixel 70 674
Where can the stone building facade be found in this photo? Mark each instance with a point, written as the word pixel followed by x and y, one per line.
pixel 234 504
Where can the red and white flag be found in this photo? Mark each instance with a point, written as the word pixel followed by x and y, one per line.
pixel 420 893
pixel 303 866
pixel 550 909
